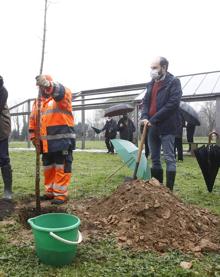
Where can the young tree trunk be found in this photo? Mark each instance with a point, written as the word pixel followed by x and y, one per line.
pixel 38 147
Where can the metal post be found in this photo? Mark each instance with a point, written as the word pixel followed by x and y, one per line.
pixel 83 123
pixel 136 134
pixel 29 111
pixel 217 118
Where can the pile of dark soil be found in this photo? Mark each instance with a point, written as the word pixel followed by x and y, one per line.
pixel 6 208
pixel 147 216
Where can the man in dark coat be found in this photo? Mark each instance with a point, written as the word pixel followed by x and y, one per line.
pixel 5 130
pixel 126 128
pixel 110 129
pixel 190 130
pixel 179 138
pixel 160 113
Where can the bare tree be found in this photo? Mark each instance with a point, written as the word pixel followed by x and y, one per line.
pixel 16 121
pixel 37 174
pixel 44 36
pixel 208 112
pixel 99 119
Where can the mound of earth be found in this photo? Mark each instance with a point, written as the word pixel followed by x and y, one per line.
pixel 141 215
pixel 147 216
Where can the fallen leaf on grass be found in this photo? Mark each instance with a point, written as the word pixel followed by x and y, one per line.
pixel 186 265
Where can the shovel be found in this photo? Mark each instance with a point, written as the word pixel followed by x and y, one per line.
pixel 140 149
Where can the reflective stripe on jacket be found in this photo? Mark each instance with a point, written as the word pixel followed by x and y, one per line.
pixel 57 121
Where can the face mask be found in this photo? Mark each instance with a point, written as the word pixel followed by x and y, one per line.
pixel 108 119
pixel 154 74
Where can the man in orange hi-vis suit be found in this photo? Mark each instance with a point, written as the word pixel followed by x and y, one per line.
pixel 57 137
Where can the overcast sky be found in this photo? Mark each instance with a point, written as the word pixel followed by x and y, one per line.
pixel 99 43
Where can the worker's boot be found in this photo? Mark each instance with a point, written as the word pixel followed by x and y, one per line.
pixel 7 179
pixel 158 174
pixel 58 201
pixel 170 179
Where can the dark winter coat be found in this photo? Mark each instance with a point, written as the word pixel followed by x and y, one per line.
pixel 110 129
pixel 168 101
pixel 180 125
pixel 5 120
pixel 190 130
pixel 126 129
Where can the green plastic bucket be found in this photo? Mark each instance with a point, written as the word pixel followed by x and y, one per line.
pixel 56 237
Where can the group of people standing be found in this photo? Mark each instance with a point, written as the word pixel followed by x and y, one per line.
pixel 125 127
pixel 160 112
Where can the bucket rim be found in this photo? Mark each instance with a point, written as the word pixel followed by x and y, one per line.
pixel 44 229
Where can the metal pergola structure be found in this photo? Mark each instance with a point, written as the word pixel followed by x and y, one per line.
pixel 197 87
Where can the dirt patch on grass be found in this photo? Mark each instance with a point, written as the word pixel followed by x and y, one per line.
pixel 29 211
pixel 6 208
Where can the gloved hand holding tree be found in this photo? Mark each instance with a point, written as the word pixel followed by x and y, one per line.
pixel 42 81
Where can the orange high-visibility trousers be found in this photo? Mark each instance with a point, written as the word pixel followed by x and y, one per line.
pixel 57 174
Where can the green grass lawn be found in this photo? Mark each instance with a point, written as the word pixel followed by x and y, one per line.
pixel 104 258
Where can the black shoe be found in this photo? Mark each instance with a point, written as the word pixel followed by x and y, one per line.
pixel 45 198
pixel 170 179
pixel 58 201
pixel 158 174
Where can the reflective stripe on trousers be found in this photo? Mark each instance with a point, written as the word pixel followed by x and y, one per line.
pixel 61 182
pixel 56 181
pixel 49 176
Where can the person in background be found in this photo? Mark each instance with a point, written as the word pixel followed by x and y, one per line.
pixel 110 129
pixel 179 138
pixel 190 130
pixel 57 137
pixel 126 128
pixel 5 130
pixel 160 113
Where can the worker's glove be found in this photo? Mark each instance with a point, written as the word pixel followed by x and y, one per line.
pixel 42 81
pixel 33 140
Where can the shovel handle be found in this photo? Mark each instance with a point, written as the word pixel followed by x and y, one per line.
pixel 211 134
pixel 143 136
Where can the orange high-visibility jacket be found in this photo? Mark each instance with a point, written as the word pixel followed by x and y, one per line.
pixel 57 121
